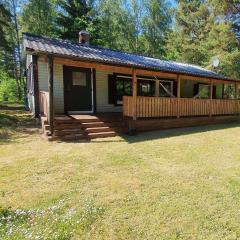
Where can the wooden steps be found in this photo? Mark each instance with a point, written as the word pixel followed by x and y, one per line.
pixel 101 134
pixel 75 127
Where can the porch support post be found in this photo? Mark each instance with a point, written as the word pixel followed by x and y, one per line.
pixel 50 90
pixel 36 87
pixel 178 95
pixel 134 92
pixel 235 92
pixel 211 96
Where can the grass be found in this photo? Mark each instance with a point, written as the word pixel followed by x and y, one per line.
pixel 173 184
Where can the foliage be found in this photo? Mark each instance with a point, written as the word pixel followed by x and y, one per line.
pixel 139 26
pixel 10 56
pixel 156 23
pixel 73 16
pixel 200 34
pixel 8 88
pixel 38 11
pixel 5 17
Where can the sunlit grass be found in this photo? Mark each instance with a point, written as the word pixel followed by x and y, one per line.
pixel 174 184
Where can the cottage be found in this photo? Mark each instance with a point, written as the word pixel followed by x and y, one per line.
pixel 80 90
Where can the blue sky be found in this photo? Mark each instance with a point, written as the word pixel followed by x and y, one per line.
pixel 172 2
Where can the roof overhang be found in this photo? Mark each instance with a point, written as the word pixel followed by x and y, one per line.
pixel 127 68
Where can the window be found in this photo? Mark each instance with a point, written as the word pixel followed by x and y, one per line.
pixel 123 88
pixel 165 87
pixel 79 79
pixel 203 91
pixel 146 88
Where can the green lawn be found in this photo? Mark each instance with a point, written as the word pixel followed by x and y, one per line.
pixel 174 184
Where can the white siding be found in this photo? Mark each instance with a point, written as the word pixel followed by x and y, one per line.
pixel 28 60
pixel 57 84
pixel 43 76
pixel 101 88
pixel 102 93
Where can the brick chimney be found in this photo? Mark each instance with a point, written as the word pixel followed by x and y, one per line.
pixel 84 37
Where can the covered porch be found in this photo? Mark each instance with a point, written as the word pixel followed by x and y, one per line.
pixel 156 99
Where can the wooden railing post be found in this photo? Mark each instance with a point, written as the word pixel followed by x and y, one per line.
pixel 211 97
pixel 134 92
pixel 50 90
pixel 236 97
pixel 178 95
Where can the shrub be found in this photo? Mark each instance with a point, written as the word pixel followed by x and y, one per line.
pixel 8 88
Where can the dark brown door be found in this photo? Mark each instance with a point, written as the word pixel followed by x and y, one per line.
pixel 77 89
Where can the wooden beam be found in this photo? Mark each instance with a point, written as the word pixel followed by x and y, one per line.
pixel 94 90
pixel 50 90
pixel 36 86
pixel 235 92
pixel 211 96
pixel 178 86
pixel 222 81
pixel 211 89
pixel 178 95
pixel 143 72
pixel 134 92
pixel 194 78
pixel 128 70
pixel 98 66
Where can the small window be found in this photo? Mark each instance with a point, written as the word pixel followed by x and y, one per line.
pixel 203 91
pixel 146 88
pixel 79 79
pixel 165 88
pixel 123 88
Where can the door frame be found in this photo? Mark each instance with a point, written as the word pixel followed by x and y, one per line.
pixel 92 94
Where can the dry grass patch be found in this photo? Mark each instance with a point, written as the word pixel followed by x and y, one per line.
pixel 175 184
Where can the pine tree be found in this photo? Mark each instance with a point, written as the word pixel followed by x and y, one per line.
pixel 38 16
pixel 5 18
pixel 156 23
pixel 201 34
pixel 74 16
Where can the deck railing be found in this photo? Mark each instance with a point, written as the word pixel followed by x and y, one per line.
pixel 44 103
pixel 147 107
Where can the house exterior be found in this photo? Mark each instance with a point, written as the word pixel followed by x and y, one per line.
pixel 69 81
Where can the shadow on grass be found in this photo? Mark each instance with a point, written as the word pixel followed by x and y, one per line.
pixel 16 123
pixel 168 133
pixel 157 134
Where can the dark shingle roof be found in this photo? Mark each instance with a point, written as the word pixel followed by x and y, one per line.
pixel 46 45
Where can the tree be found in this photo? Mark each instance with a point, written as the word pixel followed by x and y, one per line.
pixel 231 11
pixel 74 16
pixel 11 54
pixel 38 16
pixel 201 34
pixel 117 26
pixel 5 18
pixel 137 26
pixel 156 23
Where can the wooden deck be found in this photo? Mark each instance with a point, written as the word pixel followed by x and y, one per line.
pixel 86 126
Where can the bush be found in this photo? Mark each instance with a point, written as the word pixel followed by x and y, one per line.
pixel 8 88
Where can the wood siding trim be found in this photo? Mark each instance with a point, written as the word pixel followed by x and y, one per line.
pixel 134 93
pixel 94 90
pixel 36 87
pixel 128 70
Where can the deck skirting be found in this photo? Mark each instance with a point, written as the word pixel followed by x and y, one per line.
pixel 142 125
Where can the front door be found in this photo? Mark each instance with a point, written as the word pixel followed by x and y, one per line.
pixel 77 89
